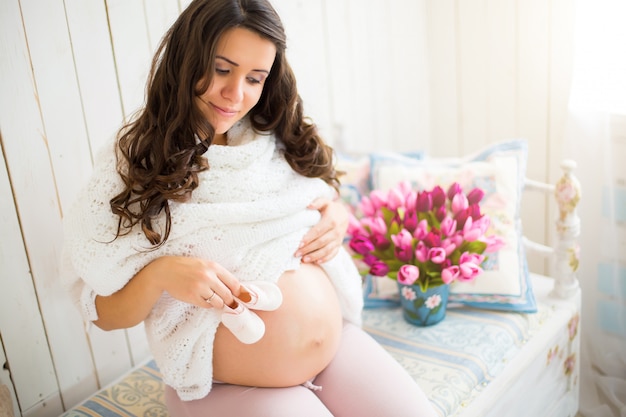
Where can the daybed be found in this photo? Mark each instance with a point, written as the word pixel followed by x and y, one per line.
pixel 500 351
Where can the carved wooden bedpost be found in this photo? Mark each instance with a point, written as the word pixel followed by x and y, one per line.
pixel 567 193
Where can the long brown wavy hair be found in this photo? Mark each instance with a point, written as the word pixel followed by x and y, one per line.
pixel 159 156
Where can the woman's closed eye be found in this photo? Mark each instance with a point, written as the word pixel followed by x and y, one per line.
pixel 250 79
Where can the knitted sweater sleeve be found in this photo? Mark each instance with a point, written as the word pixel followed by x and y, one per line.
pixel 95 262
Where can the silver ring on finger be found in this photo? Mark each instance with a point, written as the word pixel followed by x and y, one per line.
pixel 208 300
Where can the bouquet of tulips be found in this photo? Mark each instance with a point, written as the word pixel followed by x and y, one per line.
pixel 428 238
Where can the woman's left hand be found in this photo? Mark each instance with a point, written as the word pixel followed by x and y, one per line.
pixel 322 242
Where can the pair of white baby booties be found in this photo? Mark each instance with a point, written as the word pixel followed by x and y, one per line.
pixel 244 323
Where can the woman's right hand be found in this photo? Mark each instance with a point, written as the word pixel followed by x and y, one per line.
pixel 191 280
pixel 195 281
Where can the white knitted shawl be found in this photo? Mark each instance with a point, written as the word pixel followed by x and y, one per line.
pixel 248 214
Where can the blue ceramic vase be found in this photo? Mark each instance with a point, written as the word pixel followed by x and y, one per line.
pixel 423 308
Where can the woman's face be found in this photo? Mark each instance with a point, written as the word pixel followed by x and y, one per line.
pixel 242 64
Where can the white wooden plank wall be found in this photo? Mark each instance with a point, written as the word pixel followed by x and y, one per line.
pixel 446 76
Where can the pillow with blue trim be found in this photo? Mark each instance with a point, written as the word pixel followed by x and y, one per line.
pixel 499 170
pixel 356 180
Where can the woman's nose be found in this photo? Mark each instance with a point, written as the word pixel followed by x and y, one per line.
pixel 233 90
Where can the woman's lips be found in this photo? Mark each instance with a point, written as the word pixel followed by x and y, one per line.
pixel 224 112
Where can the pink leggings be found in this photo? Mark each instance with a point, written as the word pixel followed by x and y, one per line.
pixel 362 380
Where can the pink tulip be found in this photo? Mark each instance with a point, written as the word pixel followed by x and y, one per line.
pixel 395 199
pixel 421 252
pixel 471 230
pixel 469 271
pixel 421 230
pixel 402 239
pixel 482 223
pixel 448 245
pixel 450 274
pixel 408 274
pixel 403 242
pixel 448 226
pixel 376 225
pixel 475 258
pixel 410 200
pixel 405 188
pixel 378 199
pixel 459 203
pixel 437 255
pixel 494 243
pixel 355 227
pixel 367 207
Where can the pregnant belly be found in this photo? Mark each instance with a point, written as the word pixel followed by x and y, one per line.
pixel 301 337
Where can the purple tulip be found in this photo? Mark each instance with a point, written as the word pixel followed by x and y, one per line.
pixel 475 196
pixel 424 202
pixel 474 211
pixel 460 219
pixel 453 190
pixel 380 241
pixel 432 239
pixel 440 213
pixel 438 196
pixel 379 269
pixel 361 244
pixel 410 220
pixel 369 259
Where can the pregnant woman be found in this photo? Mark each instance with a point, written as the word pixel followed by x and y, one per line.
pixel 212 219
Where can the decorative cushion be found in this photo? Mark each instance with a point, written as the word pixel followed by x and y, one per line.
pixel 499 170
pixel 355 181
